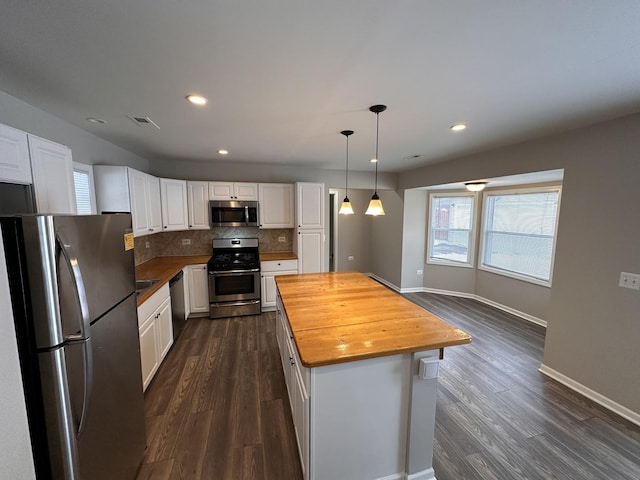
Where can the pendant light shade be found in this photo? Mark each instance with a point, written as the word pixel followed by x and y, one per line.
pixel 375 205
pixel 346 208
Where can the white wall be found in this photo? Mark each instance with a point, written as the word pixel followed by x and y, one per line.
pixel 16 460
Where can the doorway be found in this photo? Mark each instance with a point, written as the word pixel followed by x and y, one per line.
pixel 333 230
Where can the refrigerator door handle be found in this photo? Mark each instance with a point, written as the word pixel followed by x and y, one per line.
pixel 84 337
pixel 72 262
pixel 87 355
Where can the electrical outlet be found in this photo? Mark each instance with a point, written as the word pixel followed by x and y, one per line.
pixel 147 244
pixel 282 239
pixel 186 241
pixel 419 272
pixel 629 280
pixel 350 258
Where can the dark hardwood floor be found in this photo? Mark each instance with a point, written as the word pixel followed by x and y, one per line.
pixel 218 408
pixel 498 417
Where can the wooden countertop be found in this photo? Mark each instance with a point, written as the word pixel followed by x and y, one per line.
pixel 270 256
pixel 164 268
pixel 347 316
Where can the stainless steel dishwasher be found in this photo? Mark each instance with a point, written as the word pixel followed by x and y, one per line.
pixel 176 290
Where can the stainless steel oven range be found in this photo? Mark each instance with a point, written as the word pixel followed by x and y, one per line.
pixel 234 278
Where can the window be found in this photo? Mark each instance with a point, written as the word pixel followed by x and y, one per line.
pixel 519 233
pixel 83 184
pixel 451 229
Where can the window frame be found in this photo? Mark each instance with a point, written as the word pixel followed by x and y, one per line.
pixel 472 230
pixel 483 228
pixel 88 170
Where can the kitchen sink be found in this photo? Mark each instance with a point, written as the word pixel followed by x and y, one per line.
pixel 144 285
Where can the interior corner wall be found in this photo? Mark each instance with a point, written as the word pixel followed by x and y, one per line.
pixel 85 147
pixel 413 238
pixel 592 323
pixel 386 239
pixel 354 234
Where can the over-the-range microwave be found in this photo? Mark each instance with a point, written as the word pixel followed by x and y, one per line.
pixel 233 213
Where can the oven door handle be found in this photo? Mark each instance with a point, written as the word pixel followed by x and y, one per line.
pixel 234 272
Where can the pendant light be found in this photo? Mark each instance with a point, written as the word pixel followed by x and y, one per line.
pixel 375 205
pixel 346 208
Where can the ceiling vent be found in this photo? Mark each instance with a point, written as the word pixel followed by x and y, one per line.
pixel 143 121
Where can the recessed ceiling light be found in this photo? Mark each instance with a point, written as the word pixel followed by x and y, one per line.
pixel 222 151
pixel 96 120
pixel 458 127
pixel 197 99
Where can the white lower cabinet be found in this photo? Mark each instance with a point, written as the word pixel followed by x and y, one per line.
pixel 198 289
pixel 268 272
pixel 156 332
pixel 310 251
pixel 297 380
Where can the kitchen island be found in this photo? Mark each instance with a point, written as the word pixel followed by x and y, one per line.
pixel 360 365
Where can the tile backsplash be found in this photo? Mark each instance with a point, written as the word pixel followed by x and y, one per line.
pixel 198 242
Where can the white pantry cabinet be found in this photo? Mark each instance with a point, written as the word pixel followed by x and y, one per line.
pixel 52 169
pixel 198 205
pixel 268 271
pixel 173 198
pixel 124 189
pixel 276 205
pixel 15 165
pixel 310 202
pixel 198 289
pixel 156 332
pixel 233 191
pixel 310 237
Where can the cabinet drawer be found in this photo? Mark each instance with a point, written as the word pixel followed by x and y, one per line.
pixel 279 265
pixel 152 303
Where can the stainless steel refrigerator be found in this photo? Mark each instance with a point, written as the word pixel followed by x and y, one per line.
pixel 73 296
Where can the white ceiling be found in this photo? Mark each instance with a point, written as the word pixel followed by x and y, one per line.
pixel 284 77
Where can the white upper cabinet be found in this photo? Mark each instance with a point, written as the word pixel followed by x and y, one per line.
pixel 276 205
pixel 52 169
pixel 139 198
pixel 173 195
pixel 198 205
pixel 154 210
pixel 310 205
pixel 233 191
pixel 15 166
pixel 124 189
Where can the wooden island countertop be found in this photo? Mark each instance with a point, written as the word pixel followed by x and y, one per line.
pixel 346 316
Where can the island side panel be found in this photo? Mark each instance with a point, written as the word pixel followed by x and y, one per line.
pixel 422 415
pixel 359 419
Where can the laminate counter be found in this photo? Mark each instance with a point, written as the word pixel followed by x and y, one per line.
pixel 164 268
pixel 347 316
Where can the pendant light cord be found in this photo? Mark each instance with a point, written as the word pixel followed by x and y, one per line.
pixel 346 176
pixel 375 190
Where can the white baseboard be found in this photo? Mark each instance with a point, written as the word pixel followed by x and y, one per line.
pixel 499 306
pixel 607 403
pixel 427 474
pixel 448 292
pixel 512 311
pixel 395 476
